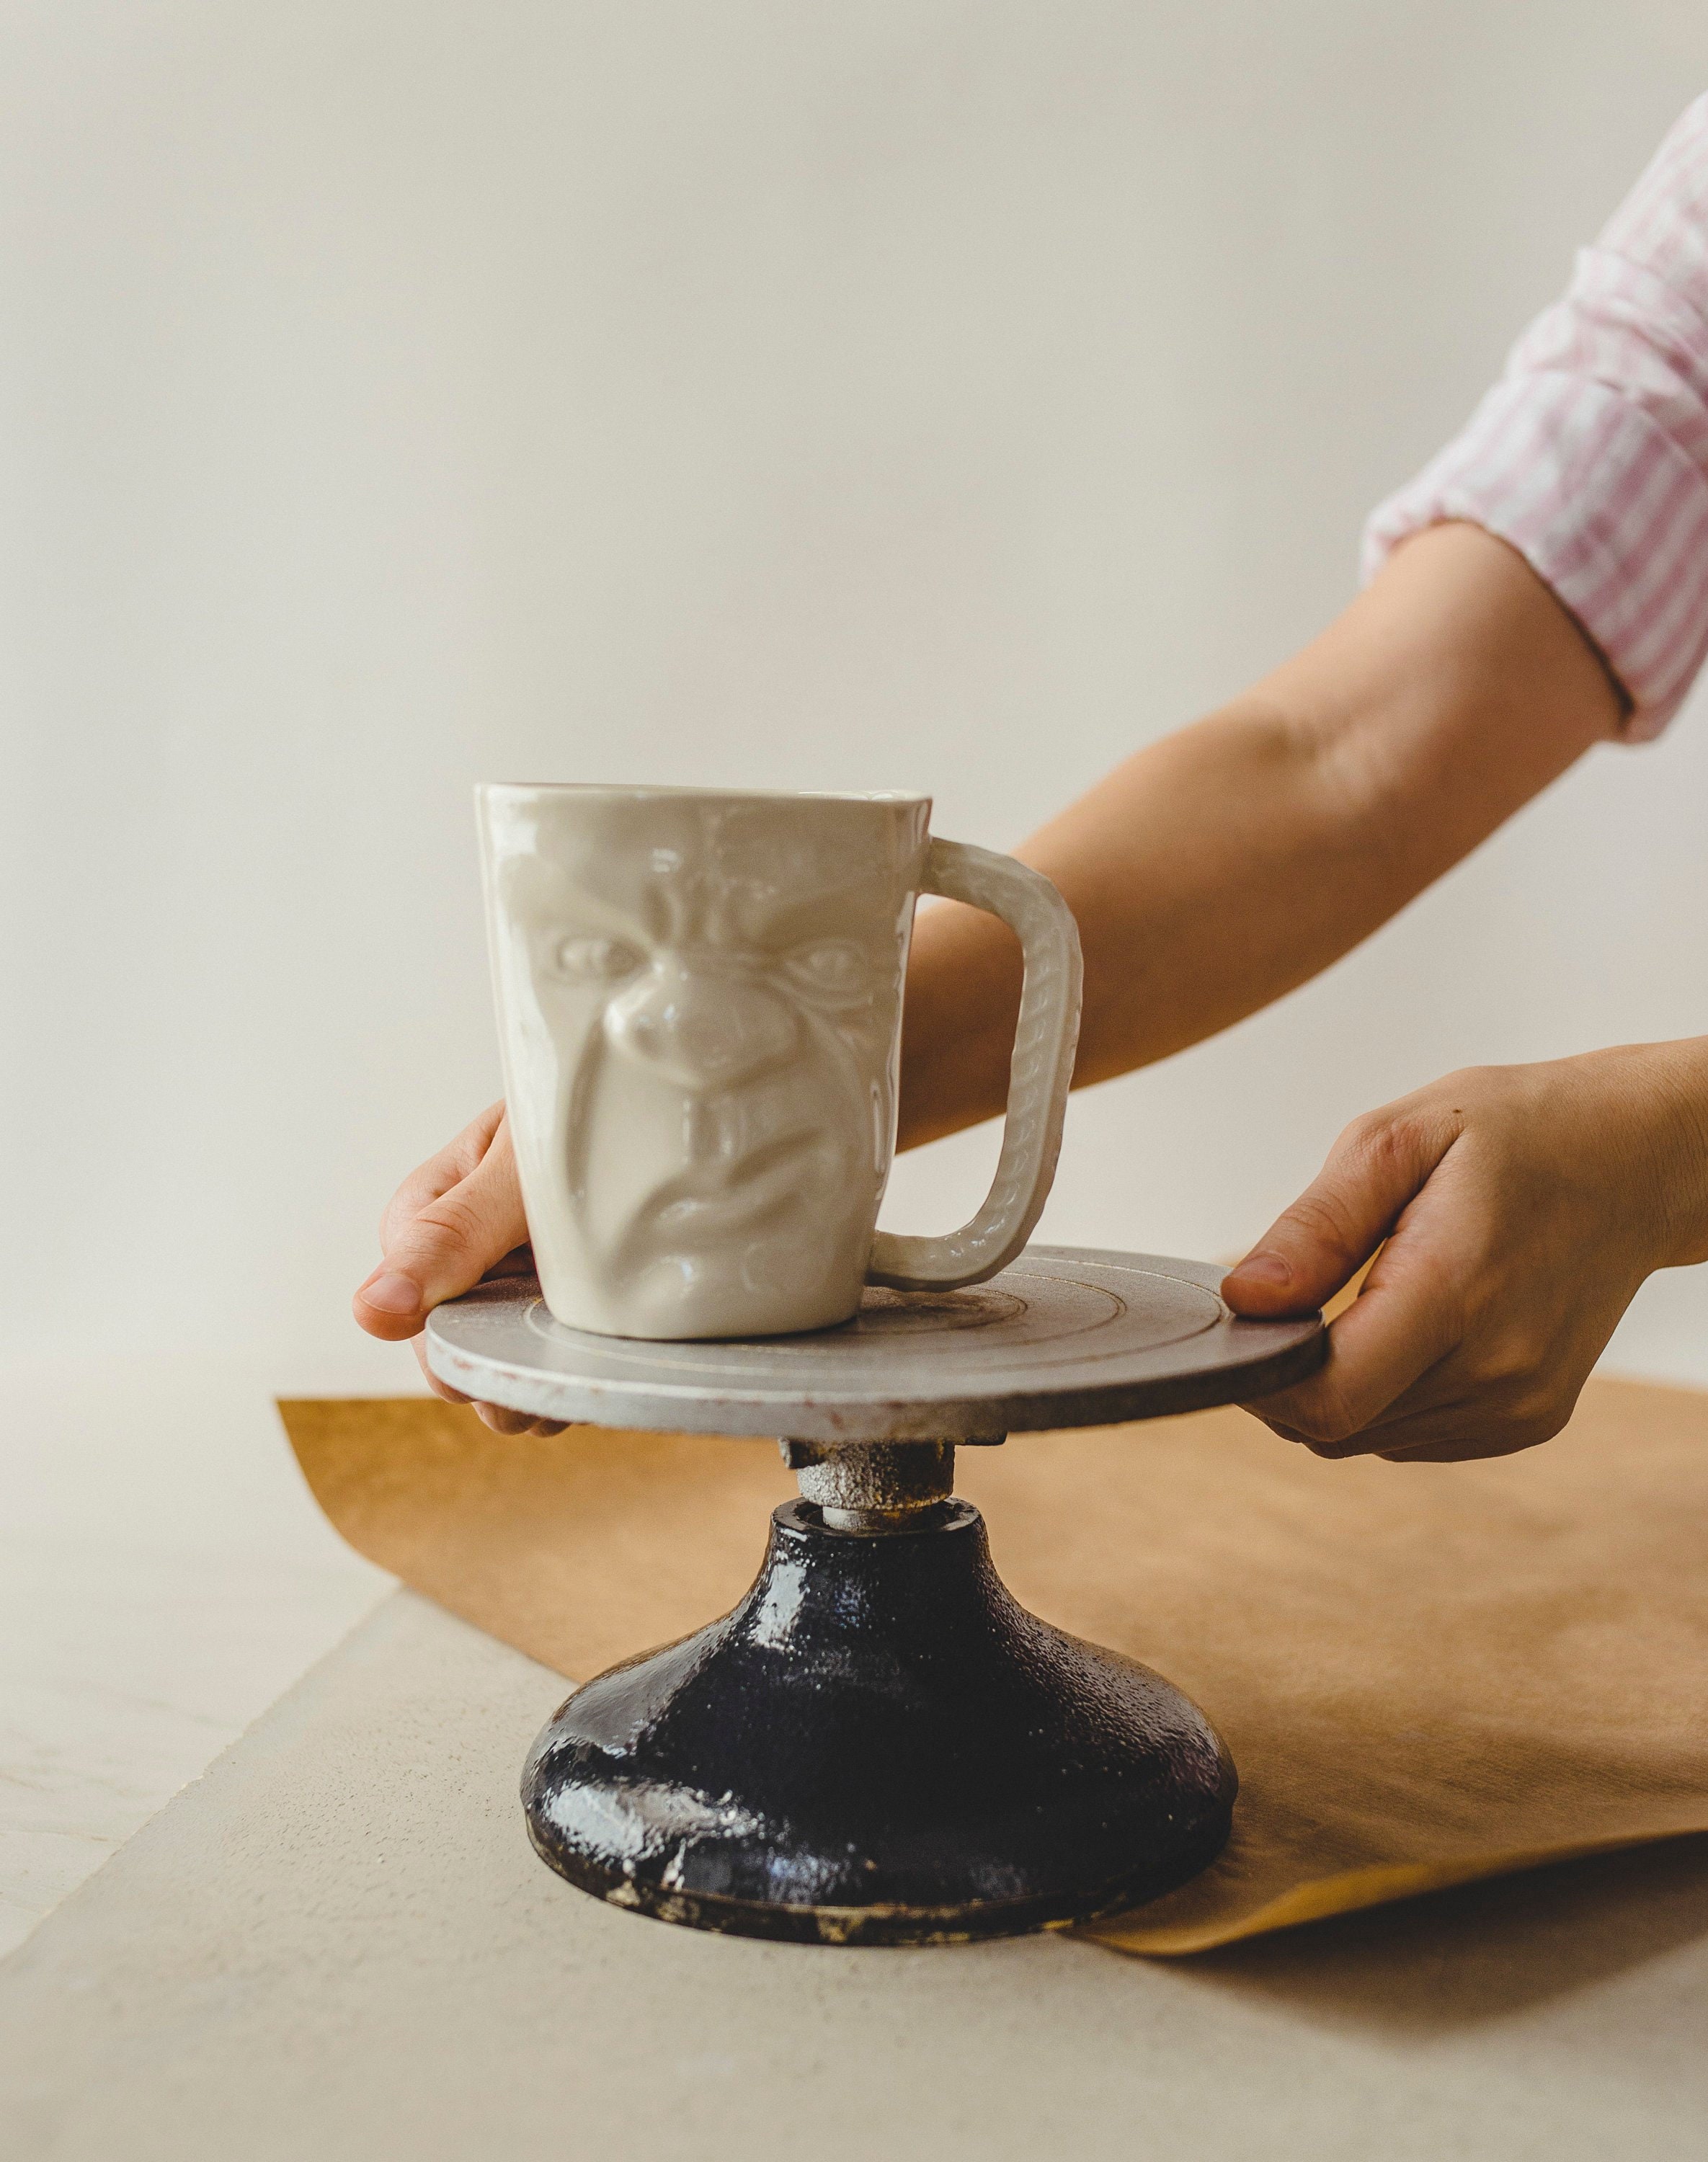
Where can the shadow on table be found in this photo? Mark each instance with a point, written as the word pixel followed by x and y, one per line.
pixel 1454 1959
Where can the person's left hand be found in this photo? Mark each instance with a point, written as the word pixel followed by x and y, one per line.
pixel 1521 1207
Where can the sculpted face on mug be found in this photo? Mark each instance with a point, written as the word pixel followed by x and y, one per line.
pixel 717 991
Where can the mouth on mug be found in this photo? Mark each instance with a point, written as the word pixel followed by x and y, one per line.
pixel 712 1202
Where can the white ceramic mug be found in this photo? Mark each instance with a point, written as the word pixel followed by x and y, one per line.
pixel 699 1000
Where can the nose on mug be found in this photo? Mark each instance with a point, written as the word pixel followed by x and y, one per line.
pixel 700 1026
pixel 699 1007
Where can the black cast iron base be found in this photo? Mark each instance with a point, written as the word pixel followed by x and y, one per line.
pixel 879 1746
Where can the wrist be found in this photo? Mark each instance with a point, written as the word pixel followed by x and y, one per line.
pixel 1671 1083
pixel 958 1015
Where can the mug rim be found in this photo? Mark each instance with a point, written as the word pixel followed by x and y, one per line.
pixel 632 791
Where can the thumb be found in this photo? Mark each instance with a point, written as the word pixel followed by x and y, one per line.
pixel 1378 1165
pixel 447 1246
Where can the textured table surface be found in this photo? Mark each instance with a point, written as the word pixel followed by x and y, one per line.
pixel 338 1944
pixel 163 1578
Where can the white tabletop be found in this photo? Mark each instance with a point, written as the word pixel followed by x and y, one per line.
pixel 338 1944
pixel 164 1576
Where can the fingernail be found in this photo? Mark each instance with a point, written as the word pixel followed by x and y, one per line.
pixel 1264 1268
pixel 392 1294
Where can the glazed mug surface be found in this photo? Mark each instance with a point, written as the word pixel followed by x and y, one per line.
pixel 699 1005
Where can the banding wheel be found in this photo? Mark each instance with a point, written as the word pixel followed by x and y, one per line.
pixel 879 1745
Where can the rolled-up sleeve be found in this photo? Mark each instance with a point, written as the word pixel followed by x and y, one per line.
pixel 1590 456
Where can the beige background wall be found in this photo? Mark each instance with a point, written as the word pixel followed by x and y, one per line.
pixel 928 394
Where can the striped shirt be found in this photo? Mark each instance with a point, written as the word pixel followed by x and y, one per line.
pixel 1590 456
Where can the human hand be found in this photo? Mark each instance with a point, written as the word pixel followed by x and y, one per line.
pixel 453 1222
pixel 1521 1207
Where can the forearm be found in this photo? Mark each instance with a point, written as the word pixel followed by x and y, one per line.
pixel 1224 865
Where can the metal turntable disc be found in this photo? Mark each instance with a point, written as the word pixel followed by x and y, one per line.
pixel 1064 1336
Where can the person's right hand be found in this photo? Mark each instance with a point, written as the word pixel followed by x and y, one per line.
pixel 454 1221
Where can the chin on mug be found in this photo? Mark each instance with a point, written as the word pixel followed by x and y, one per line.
pixel 699 1004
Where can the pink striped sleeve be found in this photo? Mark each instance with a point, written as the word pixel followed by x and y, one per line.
pixel 1591 455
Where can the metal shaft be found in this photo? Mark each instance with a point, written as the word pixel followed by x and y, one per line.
pixel 872 1486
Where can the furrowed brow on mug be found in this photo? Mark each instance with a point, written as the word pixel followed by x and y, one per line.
pixel 699 1005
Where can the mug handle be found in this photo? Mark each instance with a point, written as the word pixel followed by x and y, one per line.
pixel 1038 1075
